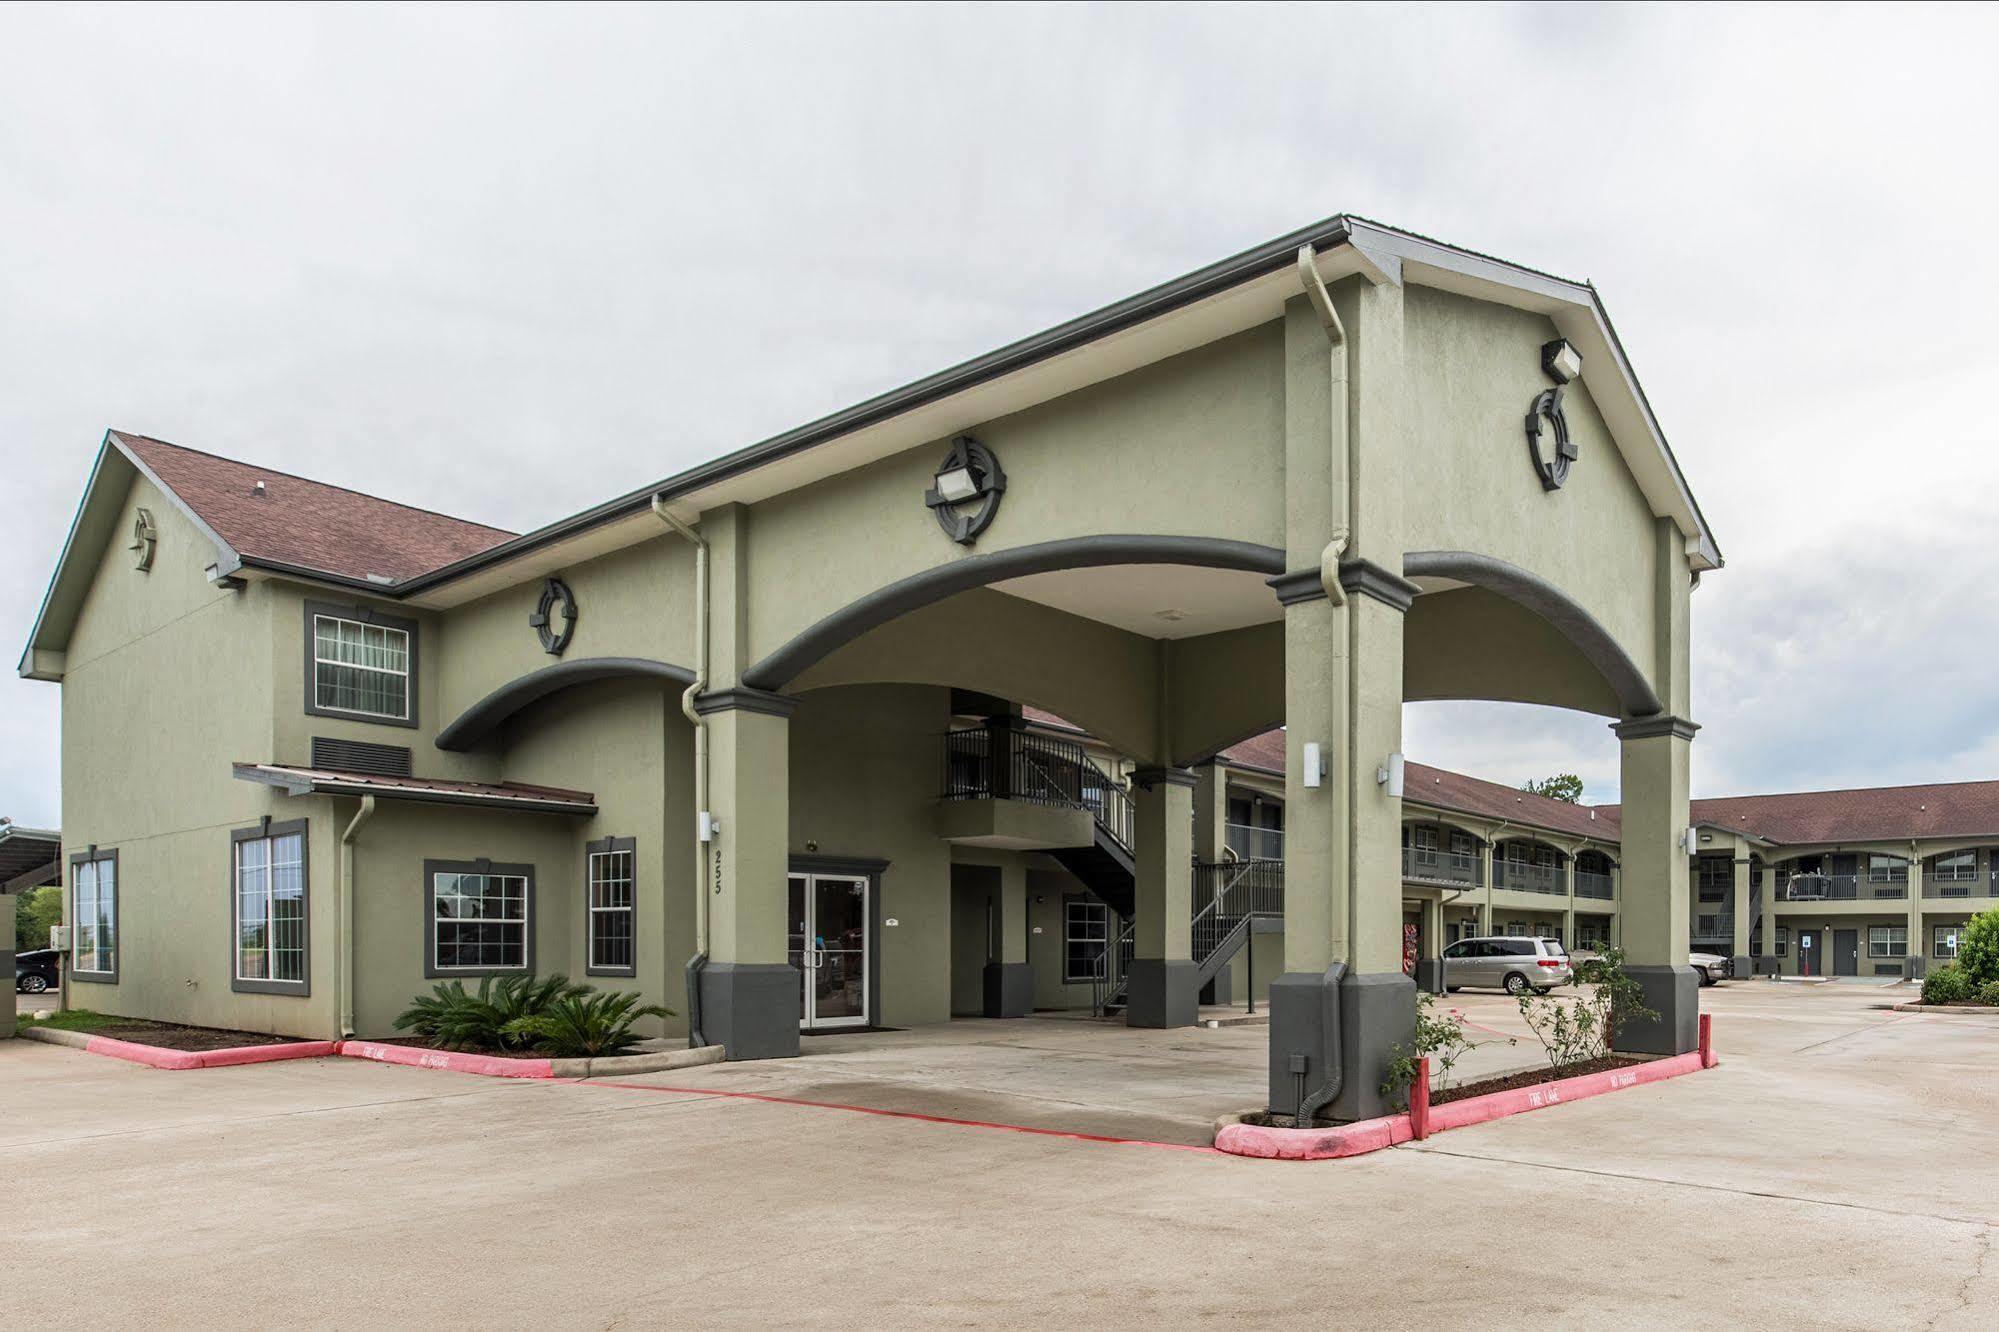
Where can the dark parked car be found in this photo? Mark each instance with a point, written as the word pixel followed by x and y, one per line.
pixel 38 970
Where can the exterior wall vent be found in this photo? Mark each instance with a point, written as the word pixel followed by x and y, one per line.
pixel 359 756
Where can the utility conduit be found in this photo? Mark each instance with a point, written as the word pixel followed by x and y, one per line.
pixel 695 1039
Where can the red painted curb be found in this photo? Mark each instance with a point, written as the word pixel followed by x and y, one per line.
pixel 1371 1135
pixel 156 1057
pixel 491 1066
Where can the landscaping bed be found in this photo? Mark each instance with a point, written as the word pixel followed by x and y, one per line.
pixel 1533 1077
pixel 161 1035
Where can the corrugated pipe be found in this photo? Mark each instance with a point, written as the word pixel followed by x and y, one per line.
pixel 695 1039
pixel 1321 1096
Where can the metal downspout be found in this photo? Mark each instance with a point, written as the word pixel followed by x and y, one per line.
pixel 695 1038
pixel 343 959
pixel 1340 448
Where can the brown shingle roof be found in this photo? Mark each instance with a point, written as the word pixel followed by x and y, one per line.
pixel 1455 791
pixel 1865 814
pixel 308 523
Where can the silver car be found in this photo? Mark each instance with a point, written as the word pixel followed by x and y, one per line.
pixel 1513 963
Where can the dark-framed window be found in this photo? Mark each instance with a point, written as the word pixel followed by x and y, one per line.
pixel 93 932
pixel 1086 933
pixel 478 918
pixel 269 946
pixel 610 907
pixel 1716 877
pixel 360 663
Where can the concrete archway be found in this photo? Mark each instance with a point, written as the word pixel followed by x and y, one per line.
pixel 843 626
pixel 484 717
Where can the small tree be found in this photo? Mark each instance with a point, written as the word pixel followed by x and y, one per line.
pixel 1441 1037
pixel 1575 1029
pixel 1564 786
pixel 1978 948
pixel 34 912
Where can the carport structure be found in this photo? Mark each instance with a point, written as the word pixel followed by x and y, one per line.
pixel 1294 488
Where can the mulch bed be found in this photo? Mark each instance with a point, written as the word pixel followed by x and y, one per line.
pixel 167 1036
pixel 1533 1077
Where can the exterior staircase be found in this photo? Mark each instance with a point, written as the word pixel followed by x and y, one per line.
pixel 1000 762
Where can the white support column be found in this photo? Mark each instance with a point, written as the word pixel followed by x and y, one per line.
pixel 1740 961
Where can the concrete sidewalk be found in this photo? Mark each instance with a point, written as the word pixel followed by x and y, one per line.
pixel 1839 1169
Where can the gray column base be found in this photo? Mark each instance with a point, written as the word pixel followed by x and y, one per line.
pixel 1918 966
pixel 1741 968
pixel 1769 966
pixel 1376 1013
pixel 1430 975
pixel 1163 993
pixel 1009 989
pixel 1674 994
pixel 1220 990
pixel 750 1009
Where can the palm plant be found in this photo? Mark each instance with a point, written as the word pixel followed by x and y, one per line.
pixel 456 1019
pixel 585 1026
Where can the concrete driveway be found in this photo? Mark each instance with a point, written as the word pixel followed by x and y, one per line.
pixel 1840 1169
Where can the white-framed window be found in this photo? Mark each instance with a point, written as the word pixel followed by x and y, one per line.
pixel 1887 869
pixel 267 890
pixel 610 875
pixel 1887 940
pixel 360 669
pixel 1086 932
pixel 1955 867
pixel 1783 940
pixel 481 918
pixel 94 903
pixel 1944 940
pixel 1516 930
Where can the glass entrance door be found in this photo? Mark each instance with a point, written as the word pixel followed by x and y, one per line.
pixel 828 925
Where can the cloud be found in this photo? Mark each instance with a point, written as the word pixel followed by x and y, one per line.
pixel 433 251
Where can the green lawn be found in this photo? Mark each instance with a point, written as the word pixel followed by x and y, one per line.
pixel 77 1019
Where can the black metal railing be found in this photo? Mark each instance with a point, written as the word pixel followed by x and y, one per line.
pixel 1424 865
pixel 1820 888
pixel 1527 878
pixel 1228 893
pixel 1254 843
pixel 1110 973
pixel 1593 883
pixel 1002 763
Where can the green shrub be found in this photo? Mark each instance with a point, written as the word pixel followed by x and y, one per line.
pixel 1576 1029
pixel 457 1019
pixel 1978 947
pixel 1442 1039
pixel 1988 994
pixel 585 1026
pixel 1947 985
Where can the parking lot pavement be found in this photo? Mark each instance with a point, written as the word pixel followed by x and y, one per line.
pixel 1841 1168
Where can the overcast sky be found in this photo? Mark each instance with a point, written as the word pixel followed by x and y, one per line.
pixel 509 262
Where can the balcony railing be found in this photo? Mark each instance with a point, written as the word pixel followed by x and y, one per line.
pixel 1591 883
pixel 1423 865
pixel 1946 884
pixel 1841 888
pixel 1254 843
pixel 1528 878
pixel 1038 768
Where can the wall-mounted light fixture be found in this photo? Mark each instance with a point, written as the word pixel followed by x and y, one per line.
pixel 1315 765
pixel 706 826
pixel 1389 776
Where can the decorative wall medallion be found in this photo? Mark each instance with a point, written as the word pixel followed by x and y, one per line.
pixel 554 617
pixel 1548 444
pixel 144 538
pixel 965 493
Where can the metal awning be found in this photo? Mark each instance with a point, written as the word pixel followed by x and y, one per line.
pixel 432 790
pixel 29 857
